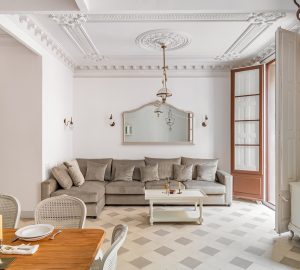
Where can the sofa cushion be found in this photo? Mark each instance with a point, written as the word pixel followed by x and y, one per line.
pixel 206 172
pixel 82 162
pixel 123 173
pixel 183 172
pixel 95 171
pixel 210 188
pixel 89 192
pixel 62 176
pixel 75 172
pixel 198 161
pixel 161 184
pixel 149 173
pixel 125 187
pixel 136 163
pixel 165 166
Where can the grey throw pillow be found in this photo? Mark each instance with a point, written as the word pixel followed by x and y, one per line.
pixel 149 173
pixel 206 172
pixel 75 173
pixel 124 173
pixel 61 175
pixel 95 171
pixel 183 172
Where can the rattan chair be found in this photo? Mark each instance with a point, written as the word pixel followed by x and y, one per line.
pixel 61 211
pixel 109 260
pixel 10 210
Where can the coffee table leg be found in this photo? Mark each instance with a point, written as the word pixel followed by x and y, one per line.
pixel 151 213
pixel 200 212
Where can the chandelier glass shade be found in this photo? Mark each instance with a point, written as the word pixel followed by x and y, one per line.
pixel 164 92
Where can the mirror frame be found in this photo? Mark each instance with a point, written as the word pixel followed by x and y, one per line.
pixel 191 119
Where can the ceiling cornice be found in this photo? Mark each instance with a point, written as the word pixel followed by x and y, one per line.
pixel 183 17
pixel 203 70
pixel 44 38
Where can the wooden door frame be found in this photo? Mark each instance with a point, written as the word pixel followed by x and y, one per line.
pixel 261 134
pixel 267 133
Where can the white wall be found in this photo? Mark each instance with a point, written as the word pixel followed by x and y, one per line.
pixel 57 105
pixel 55 98
pixel 96 98
pixel 21 122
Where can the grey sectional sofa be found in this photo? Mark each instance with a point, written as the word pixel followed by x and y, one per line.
pixel 96 194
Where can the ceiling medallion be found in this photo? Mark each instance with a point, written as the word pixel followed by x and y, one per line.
pixel 173 40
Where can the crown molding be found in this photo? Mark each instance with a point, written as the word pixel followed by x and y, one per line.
pixel 182 17
pixel 207 69
pixel 44 38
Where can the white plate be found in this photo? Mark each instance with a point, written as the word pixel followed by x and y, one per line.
pixel 34 231
pixel 35 239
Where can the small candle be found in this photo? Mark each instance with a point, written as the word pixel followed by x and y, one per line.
pixel 179 185
pixel 1 231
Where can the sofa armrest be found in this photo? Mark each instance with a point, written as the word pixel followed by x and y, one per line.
pixel 226 179
pixel 48 186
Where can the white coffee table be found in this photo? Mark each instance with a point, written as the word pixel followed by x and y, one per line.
pixel 185 214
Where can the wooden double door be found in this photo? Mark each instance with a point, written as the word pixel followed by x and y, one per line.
pixel 247 132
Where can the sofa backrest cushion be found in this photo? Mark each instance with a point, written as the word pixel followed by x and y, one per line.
pixel 82 162
pixel 136 163
pixel 165 166
pixel 198 161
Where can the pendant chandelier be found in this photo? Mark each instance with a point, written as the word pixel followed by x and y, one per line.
pixel 298 12
pixel 164 92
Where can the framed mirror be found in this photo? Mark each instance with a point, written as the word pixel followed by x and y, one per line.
pixel 157 123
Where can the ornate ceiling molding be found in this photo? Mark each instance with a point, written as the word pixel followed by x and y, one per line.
pixel 46 40
pixel 72 25
pixel 259 23
pixel 152 40
pixel 69 19
pixel 183 17
pixel 269 49
pixel 204 70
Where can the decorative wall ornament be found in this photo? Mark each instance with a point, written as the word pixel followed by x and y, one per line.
pixel 69 123
pixel 112 122
pixel 46 40
pixel 172 39
pixel 72 25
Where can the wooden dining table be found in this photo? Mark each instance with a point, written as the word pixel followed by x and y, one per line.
pixel 71 249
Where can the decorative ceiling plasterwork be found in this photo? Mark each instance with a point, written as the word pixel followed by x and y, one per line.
pixel 46 40
pixel 259 23
pixel 183 17
pixel 269 49
pixel 152 40
pixel 72 24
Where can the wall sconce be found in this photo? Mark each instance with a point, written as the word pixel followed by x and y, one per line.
pixel 112 123
pixel 205 122
pixel 69 123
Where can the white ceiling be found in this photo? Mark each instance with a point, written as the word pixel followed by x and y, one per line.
pixel 222 32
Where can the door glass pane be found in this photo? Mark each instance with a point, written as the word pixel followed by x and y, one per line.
pixel 247 108
pixel 246 133
pixel 247 82
pixel 247 158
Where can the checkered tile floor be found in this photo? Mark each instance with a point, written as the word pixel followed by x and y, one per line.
pixel 237 237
